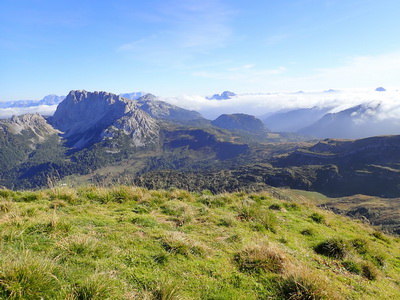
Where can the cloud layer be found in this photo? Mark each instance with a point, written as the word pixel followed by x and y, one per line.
pixel 46 110
pixel 261 104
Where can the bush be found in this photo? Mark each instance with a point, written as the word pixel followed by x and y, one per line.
pixel 260 258
pixel 336 248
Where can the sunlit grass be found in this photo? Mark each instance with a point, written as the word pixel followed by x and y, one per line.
pixel 130 243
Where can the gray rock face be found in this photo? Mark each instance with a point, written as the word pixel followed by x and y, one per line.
pixel 86 118
pixel 240 122
pixel 163 110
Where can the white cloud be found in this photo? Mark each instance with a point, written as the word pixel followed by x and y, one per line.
pixel 46 110
pixel 354 72
pixel 259 104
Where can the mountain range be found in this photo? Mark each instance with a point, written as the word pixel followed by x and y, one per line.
pixel 47 100
pixel 103 138
pixel 92 130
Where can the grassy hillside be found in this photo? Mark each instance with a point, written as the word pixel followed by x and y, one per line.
pixel 131 243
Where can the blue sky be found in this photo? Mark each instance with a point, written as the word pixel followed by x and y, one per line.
pixel 173 47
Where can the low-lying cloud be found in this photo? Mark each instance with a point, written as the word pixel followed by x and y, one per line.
pixel 45 110
pixel 261 104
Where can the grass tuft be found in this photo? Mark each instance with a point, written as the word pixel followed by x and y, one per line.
pixel 335 248
pixel 92 288
pixel 352 266
pixel 261 258
pixel 27 277
pixel 167 290
pixel 369 271
pixel 305 286
pixel 317 218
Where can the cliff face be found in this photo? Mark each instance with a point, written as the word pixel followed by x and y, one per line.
pixel 86 118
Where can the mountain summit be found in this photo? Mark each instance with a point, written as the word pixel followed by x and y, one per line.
pixel 89 117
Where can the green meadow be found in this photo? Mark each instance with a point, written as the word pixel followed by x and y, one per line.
pixel 127 242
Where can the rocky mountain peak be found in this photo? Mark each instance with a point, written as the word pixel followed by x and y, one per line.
pixel 88 117
pixel 147 97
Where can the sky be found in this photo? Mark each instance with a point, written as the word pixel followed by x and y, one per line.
pixel 196 47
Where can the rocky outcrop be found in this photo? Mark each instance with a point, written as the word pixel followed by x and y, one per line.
pixel 33 123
